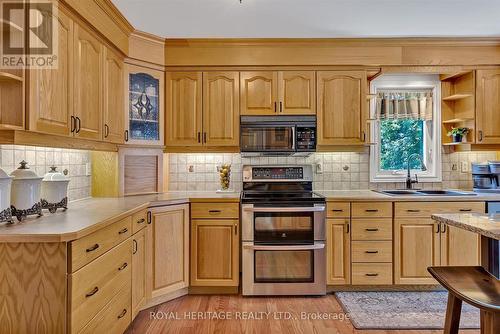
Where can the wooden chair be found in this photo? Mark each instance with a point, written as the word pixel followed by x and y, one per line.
pixel 475 286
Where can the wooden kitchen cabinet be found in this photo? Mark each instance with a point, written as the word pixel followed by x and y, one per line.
pixel 278 93
pixel 459 247
pixel 51 90
pixel 416 247
pixel 488 106
pixel 342 107
pixel 184 109
pixel 338 240
pixel 221 109
pixel 214 252
pixel 88 84
pixel 169 235
pixel 113 120
pixel 139 260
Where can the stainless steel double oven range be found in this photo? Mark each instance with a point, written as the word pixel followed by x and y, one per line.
pixel 283 232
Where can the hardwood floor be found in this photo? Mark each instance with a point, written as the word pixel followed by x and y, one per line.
pixel 162 318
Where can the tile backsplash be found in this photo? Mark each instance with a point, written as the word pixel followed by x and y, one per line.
pixel 341 171
pixel 41 158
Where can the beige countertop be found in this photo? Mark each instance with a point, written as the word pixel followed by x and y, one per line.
pixel 486 225
pixel 86 216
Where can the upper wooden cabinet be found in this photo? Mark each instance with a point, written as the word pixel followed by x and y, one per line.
pixel 342 107
pixel 278 93
pixel 184 109
pixel 113 98
pixel 488 106
pixel 144 115
pixel 221 106
pixel 51 90
pixel 211 123
pixel 88 84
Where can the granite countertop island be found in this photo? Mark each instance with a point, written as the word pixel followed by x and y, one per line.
pixel 483 224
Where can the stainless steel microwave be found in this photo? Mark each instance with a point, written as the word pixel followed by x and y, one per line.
pixel 278 135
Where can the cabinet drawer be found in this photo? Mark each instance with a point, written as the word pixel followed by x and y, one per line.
pixel 215 210
pixel 88 248
pixel 114 317
pixel 372 209
pixel 371 251
pixel 139 221
pixel 371 273
pixel 426 209
pixel 95 284
pixel 372 229
pixel 338 210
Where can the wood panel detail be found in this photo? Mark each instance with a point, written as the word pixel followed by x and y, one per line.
pixel 259 93
pixel 338 256
pixel 488 107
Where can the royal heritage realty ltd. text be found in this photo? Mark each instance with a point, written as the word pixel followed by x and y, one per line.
pixel 256 315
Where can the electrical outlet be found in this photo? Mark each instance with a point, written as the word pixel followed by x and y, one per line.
pixel 88 169
pixel 464 167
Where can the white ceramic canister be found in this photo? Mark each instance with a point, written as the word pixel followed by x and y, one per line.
pixel 54 190
pixel 5 185
pixel 25 194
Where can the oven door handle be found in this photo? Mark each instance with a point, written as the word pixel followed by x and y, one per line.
pixel 285 247
pixel 287 209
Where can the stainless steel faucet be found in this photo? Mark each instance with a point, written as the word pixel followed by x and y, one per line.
pixel 409 180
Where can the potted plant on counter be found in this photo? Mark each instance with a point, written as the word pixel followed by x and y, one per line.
pixel 458 134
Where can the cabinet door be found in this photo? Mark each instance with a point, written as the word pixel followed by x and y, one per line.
pixel 145 116
pixel 138 271
pixel 114 122
pixel 170 249
pixel 88 83
pixel 214 252
pixel 221 108
pixel 297 92
pixel 342 107
pixel 51 90
pixel 488 106
pixel 184 109
pixel 338 243
pixel 459 247
pixel 259 93
pixel 416 247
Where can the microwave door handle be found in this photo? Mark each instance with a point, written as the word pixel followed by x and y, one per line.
pixel 285 248
pixel 287 209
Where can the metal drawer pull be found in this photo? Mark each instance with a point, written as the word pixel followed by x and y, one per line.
pixel 122 314
pixel 371 252
pixel 214 211
pixel 288 209
pixel 413 210
pixel 371 210
pixel 134 248
pixel 371 275
pixel 371 229
pixel 337 210
pixel 91 293
pixel 93 248
pixel 284 248
pixel 123 266
pixel 125 230
pixel 141 221
pixel 465 210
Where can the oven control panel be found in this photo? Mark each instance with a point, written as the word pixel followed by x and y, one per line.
pixel 277 173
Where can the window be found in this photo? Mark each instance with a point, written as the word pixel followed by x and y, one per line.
pixel 397 137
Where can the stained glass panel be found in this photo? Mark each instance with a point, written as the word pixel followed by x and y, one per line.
pixel 143 107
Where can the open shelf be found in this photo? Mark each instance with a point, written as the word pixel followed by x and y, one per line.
pixel 9 77
pixel 455 97
pixel 455 144
pixel 452 76
pixel 457 120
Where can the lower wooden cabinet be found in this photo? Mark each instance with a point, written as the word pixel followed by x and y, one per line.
pixel 214 252
pixel 416 247
pixel 170 249
pixel 459 247
pixel 338 240
pixel 139 259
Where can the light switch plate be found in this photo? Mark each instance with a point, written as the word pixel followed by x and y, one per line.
pixel 464 167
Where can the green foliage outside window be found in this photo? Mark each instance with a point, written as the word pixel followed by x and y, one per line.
pixel 398 140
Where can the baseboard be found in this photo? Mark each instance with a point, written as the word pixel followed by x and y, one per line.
pixel 213 290
pixel 401 288
pixel 165 298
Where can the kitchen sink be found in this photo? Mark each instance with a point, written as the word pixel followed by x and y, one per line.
pixel 425 193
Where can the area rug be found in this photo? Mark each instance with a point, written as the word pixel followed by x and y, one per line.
pixel 402 310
